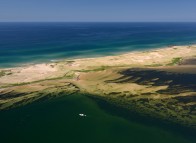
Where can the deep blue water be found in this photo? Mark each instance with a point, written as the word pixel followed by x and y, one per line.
pixel 22 43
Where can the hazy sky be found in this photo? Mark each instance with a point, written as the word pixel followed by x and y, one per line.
pixel 98 10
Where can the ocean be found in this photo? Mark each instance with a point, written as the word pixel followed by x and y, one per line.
pixel 24 43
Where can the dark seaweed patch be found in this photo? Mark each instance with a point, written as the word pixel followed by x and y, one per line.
pixel 193 109
pixel 186 99
pixel 11 95
pixel 176 82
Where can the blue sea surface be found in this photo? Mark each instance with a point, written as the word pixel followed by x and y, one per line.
pixel 23 43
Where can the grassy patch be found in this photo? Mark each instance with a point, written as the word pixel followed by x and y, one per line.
pixel 5 72
pixel 94 70
pixel 69 62
pixel 37 81
pixel 175 61
pixel 2 73
pixel 154 65
pixel 69 75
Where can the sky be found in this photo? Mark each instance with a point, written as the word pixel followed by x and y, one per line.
pixel 98 10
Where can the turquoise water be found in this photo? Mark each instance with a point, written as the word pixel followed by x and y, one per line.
pixel 22 43
pixel 58 120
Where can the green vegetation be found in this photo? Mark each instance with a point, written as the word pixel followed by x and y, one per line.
pixel 154 65
pixel 69 75
pixel 37 81
pixel 94 70
pixel 69 62
pixel 175 61
pixel 5 72
pixel 2 73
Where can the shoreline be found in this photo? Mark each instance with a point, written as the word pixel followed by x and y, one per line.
pixel 21 65
pixel 160 58
pixel 138 79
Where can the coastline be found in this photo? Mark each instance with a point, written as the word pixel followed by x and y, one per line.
pixel 160 57
pixel 135 79
pixel 63 59
pixel 53 61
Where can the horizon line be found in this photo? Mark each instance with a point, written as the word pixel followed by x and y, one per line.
pixel 98 21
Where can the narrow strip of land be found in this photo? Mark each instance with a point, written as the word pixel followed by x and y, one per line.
pixel 159 83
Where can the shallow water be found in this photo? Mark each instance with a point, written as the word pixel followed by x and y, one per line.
pixel 22 43
pixel 58 120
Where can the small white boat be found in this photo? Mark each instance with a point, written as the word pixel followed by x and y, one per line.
pixel 82 115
